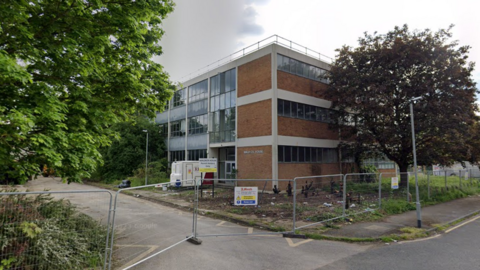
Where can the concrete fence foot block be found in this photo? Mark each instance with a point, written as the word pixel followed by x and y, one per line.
pixel 194 241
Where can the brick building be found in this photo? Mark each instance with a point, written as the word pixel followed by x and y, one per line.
pixel 263 114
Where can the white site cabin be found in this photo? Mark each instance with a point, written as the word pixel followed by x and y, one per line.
pixel 184 172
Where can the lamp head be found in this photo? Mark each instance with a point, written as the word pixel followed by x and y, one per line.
pixel 415 99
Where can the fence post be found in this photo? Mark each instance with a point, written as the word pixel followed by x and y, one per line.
pixel 445 180
pixel 460 179
pixel 294 202
pixel 408 186
pixel 380 191
pixel 470 176
pixel 344 193
pixel 428 184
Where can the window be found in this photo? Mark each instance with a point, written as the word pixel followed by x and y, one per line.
pixel 163 129
pixel 177 155
pixel 303 111
pixel 177 128
pixel 298 154
pixel 296 67
pixel 198 124
pixel 197 154
pixel 222 107
pixel 198 91
pixel 179 98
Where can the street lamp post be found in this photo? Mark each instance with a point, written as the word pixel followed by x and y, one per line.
pixel 146 159
pixel 417 196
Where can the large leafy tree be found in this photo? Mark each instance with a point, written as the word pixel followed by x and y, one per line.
pixel 371 86
pixel 69 69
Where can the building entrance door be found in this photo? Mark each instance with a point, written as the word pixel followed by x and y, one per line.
pixel 230 170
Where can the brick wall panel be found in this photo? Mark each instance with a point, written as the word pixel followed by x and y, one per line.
pixel 255 76
pixel 254 119
pixel 300 85
pixel 304 128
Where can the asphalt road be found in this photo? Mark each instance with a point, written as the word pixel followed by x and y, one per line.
pixel 457 249
pixel 143 228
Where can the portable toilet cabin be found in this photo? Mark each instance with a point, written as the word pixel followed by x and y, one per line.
pixel 183 171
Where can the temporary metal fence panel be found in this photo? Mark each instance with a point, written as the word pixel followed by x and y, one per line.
pixel 362 193
pixel 432 185
pixel 317 199
pixel 137 223
pixel 270 206
pixel 396 187
pixel 55 229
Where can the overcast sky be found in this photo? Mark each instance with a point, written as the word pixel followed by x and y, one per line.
pixel 200 32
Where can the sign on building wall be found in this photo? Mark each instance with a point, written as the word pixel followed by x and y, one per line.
pixel 208 164
pixel 246 195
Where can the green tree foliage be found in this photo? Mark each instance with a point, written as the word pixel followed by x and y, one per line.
pixel 127 154
pixel 69 69
pixel 371 86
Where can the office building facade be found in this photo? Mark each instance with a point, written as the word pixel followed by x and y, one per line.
pixel 263 115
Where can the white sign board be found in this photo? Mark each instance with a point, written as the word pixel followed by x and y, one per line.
pixel 246 195
pixel 394 182
pixel 208 164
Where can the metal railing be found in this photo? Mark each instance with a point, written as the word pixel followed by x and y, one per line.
pixel 275 39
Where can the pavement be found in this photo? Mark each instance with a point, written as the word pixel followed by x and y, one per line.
pixel 440 214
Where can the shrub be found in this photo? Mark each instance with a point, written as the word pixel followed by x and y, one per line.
pixel 41 233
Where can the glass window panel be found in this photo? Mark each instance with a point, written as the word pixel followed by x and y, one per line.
pixel 280 153
pixel 222 82
pixel 292 65
pixel 280 107
pixel 212 105
pixel 319 114
pixel 308 154
pixel 233 80
pixel 300 68
pixel 227 81
pixel 279 61
pixel 286 108
pixel 301 111
pixel 222 101
pixel 294 110
pixel 294 154
pixel 301 154
pixel 314 154
pixel 288 153
pixel 233 98
pixel 228 100
pixel 320 155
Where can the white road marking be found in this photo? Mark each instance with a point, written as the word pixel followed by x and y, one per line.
pixel 291 244
pixel 461 224
pixel 139 257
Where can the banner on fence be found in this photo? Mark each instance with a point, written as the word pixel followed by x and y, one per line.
pixel 394 182
pixel 246 195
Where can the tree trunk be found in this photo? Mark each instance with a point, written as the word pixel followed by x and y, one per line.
pixel 403 175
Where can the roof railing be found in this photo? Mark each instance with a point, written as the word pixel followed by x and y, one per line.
pixel 275 39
